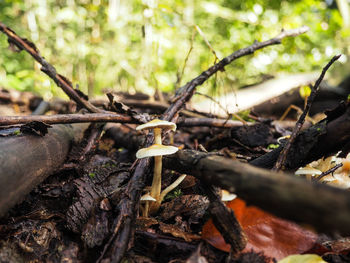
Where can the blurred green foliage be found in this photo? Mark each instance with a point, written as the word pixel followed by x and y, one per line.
pixel 143 45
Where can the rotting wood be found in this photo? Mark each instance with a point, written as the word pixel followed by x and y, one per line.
pixel 325 208
pixel 92 189
pixel 26 160
pixel 157 242
pixel 324 138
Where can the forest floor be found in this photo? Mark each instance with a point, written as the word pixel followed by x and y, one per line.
pixel 70 215
pixel 74 192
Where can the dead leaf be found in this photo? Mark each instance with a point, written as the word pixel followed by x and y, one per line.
pixel 266 233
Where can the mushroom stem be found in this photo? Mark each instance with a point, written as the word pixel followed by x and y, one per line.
pixel 145 209
pixel 157 173
pixel 157 136
pixel 170 188
pixel 171 137
pixel 157 178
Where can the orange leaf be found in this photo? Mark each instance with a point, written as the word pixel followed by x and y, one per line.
pixel 266 233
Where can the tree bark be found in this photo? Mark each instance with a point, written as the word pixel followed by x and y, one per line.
pixel 26 160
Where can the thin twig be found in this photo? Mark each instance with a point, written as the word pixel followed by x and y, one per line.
pixel 179 77
pixel 185 93
pixel 215 101
pixel 283 155
pixel 332 170
pixel 47 68
pixel 209 122
pixel 201 33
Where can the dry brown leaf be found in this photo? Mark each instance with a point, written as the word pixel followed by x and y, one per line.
pixel 266 233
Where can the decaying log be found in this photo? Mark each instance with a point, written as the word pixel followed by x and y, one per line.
pixel 324 138
pixel 102 178
pixel 325 208
pixel 26 160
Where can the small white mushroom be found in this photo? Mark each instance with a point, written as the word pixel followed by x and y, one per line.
pixel 146 198
pixel 227 196
pixel 156 150
pixel 157 126
pixel 308 171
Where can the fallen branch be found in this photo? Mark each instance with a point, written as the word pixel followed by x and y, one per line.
pixel 324 207
pixel 112 117
pixel 68 118
pixel 61 81
pixel 208 122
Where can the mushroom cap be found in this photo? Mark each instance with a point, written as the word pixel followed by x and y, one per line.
pixel 227 196
pixel 147 197
pixel 156 123
pixel 156 150
pixel 307 171
pixel 346 163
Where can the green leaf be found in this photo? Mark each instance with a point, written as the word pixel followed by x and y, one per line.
pixel 307 258
pixel 304 91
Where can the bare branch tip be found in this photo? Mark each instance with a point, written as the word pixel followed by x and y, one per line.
pixel 336 57
pixel 293 32
pixel 304 29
